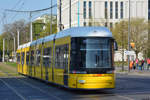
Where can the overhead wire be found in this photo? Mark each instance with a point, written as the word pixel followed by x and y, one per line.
pixel 4 15
pixel 17 13
pixel 32 11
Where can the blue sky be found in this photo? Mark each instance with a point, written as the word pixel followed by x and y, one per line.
pixel 23 5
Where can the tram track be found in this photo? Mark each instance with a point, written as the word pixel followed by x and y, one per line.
pixel 28 84
pixel 13 89
pixel 22 87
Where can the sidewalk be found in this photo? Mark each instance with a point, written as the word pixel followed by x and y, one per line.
pixel 144 72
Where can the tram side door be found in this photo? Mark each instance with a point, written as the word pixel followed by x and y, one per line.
pixel 66 56
pixel 22 62
pixel 31 62
pixel 46 73
pixel 46 60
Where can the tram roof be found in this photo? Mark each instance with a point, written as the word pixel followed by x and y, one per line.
pixel 85 32
pixel 76 32
pixel 24 45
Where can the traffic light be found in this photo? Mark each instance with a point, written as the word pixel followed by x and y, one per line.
pixel 132 45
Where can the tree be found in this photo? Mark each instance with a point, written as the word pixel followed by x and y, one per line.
pixel 1 46
pixel 148 43
pixel 10 31
pixel 42 26
pixel 120 32
pixel 139 34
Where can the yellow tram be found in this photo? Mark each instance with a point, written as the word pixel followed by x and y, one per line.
pixel 80 57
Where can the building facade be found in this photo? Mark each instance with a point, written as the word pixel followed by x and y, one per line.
pixel 101 12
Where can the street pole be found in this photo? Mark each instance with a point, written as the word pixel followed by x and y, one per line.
pixel 123 48
pixel 14 45
pixel 60 15
pixel 18 32
pixel 3 50
pixel 51 17
pixel 31 26
pixel 14 49
pixel 70 13
pixel 129 39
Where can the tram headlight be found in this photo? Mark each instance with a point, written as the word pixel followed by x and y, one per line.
pixel 81 81
pixel 110 72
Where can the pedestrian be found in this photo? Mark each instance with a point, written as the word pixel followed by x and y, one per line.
pixel 142 64
pixel 137 63
pixel 148 63
pixel 131 65
pixel 134 65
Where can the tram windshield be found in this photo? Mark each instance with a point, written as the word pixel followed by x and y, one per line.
pixel 91 53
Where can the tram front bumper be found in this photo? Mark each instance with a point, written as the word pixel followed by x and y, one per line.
pixel 96 82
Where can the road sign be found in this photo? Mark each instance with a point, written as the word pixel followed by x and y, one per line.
pixel 129 52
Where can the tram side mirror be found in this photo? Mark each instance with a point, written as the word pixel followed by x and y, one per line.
pixel 115 46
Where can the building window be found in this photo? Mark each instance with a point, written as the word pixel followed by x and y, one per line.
pixel 84 9
pixel 116 9
pixel 90 9
pixel 111 10
pixel 84 23
pixel 121 10
pixel 90 23
pixel 106 24
pixel 106 9
pixel 111 25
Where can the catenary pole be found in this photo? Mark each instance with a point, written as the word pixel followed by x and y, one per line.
pixel 18 33
pixel 70 13
pixel 14 44
pixel 129 38
pixel 51 17
pixel 3 50
pixel 60 24
pixel 31 26
pixel 30 13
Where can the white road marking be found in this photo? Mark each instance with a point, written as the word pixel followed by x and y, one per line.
pixel 125 97
pixel 56 98
pixel 10 87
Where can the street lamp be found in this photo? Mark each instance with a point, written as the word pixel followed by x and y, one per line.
pixel 129 39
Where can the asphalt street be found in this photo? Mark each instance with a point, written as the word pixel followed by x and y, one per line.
pixel 128 87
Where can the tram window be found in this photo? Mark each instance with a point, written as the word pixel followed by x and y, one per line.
pixel 66 55
pixel 57 54
pixel 47 57
pixel 22 58
pixel 32 58
pixel 18 58
pixel 27 58
pixel 91 53
pixel 61 56
pixel 38 56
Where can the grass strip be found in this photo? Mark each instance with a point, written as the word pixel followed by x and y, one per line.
pixel 11 64
pixel 8 71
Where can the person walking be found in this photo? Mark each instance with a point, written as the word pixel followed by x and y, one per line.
pixel 137 63
pixel 131 65
pixel 148 63
pixel 142 64
pixel 134 65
